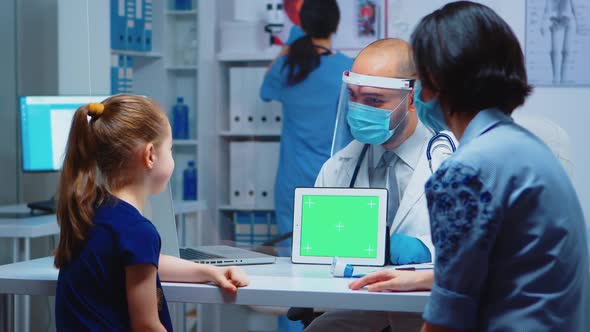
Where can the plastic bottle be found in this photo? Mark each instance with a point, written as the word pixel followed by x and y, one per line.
pixel 189 47
pixel 189 182
pixel 180 119
pixel 183 4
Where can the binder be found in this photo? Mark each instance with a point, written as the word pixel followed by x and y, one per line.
pixel 253 228
pixel 148 16
pixel 242 170
pixel 118 21
pixel 118 83
pixel 242 98
pixel 253 168
pixel 139 26
pixel 128 86
pixel 130 24
pixel 249 113
pixel 266 162
pixel 269 114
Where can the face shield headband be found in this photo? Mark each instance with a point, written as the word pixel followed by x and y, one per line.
pixel 371 109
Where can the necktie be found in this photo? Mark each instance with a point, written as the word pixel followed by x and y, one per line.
pixel 384 177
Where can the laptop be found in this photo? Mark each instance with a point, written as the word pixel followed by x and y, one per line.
pixel 160 211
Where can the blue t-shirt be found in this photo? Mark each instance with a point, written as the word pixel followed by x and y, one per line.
pixel 509 235
pixel 91 293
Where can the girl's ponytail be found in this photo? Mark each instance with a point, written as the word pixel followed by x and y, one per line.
pixel 78 192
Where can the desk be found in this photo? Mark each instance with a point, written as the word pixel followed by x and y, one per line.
pixel 281 284
pixel 22 230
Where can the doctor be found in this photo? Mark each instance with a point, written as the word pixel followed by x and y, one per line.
pixel 389 150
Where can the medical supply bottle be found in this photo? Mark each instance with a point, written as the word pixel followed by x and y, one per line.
pixel 180 119
pixel 189 182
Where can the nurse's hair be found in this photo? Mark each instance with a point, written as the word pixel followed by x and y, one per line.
pixel 319 19
pixel 469 55
pixel 102 145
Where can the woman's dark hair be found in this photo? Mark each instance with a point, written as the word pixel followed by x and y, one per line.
pixel 319 19
pixel 470 56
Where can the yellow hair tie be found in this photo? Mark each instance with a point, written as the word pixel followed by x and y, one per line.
pixel 95 110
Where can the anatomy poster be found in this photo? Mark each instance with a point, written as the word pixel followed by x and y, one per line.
pixel 558 42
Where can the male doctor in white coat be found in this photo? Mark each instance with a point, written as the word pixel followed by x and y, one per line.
pixel 389 150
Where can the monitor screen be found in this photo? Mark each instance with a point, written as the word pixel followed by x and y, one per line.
pixel 339 226
pixel 45 124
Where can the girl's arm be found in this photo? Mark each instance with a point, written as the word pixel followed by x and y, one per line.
pixel 180 270
pixel 142 300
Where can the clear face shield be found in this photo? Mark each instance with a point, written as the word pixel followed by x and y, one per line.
pixel 371 109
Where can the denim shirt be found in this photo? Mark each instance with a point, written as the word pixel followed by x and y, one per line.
pixel 509 233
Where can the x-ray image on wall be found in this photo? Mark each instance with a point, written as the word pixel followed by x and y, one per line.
pixel 557 46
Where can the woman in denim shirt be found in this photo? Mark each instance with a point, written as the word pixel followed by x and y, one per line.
pixel 506 222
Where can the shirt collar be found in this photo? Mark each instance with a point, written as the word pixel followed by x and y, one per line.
pixel 409 151
pixel 482 122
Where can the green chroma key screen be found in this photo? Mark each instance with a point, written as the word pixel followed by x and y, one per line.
pixel 339 226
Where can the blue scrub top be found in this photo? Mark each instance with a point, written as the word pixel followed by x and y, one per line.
pixel 91 291
pixel 509 234
pixel 309 116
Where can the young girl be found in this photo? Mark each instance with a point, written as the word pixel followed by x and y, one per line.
pixel 109 253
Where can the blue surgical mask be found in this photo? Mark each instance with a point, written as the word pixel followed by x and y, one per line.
pixel 430 113
pixel 370 125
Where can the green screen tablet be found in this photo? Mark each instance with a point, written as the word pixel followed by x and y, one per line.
pixel 347 223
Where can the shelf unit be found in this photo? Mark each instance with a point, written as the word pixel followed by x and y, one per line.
pixel 138 54
pixel 251 134
pixel 169 71
pixel 185 142
pixel 192 12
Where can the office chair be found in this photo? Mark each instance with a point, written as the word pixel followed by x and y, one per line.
pixel 551 134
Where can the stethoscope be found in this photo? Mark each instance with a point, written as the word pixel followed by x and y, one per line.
pixel 429 148
pixel 326 51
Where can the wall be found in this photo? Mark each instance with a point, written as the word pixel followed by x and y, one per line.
pixel 8 103
pixel 80 71
pixel 53 59
pixel 565 106
pixel 37 75
pixel 8 155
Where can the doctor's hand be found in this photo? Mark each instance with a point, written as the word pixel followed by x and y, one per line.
pixel 229 278
pixel 404 249
pixel 394 280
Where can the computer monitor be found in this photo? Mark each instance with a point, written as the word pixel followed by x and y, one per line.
pixel 45 125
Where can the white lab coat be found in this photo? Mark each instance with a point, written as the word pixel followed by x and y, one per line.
pixel 412 215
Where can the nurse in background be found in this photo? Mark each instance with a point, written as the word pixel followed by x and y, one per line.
pixel 306 80
pixel 506 223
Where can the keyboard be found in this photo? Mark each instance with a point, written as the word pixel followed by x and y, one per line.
pixel 46 206
pixel 192 254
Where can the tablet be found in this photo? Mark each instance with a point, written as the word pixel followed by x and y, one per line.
pixel 348 223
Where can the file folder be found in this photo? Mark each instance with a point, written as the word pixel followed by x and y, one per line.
pixel 139 26
pixel 147 31
pixel 118 21
pixel 130 23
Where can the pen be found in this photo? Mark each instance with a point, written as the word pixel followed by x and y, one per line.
pixel 414 268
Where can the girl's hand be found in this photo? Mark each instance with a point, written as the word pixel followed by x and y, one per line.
pixel 229 278
pixel 394 280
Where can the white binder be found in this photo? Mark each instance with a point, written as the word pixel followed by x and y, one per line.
pixel 248 113
pixel 253 168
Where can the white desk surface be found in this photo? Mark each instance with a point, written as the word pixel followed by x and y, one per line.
pixel 34 226
pixel 281 284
